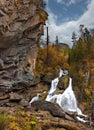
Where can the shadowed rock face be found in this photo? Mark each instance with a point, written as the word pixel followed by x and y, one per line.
pixel 21 26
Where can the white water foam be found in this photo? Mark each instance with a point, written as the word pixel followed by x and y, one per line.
pixel 36 98
pixel 67 100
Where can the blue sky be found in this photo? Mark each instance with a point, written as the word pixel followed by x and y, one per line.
pixel 67 11
pixel 65 16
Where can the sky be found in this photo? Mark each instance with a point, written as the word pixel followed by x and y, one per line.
pixel 65 17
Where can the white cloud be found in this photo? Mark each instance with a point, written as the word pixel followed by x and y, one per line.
pixel 59 1
pixel 71 2
pixel 64 30
pixel 87 18
pixel 68 3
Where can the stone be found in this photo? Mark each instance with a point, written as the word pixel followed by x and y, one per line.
pixel 21 26
pixel 54 109
pixel 15 97
pixel 4 96
pixel 63 83
pixel 24 103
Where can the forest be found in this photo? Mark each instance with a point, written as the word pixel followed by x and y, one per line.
pixel 78 60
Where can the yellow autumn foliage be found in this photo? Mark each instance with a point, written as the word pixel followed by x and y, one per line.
pixel 19 121
pixel 52 62
pixel 42 14
pixel 14 126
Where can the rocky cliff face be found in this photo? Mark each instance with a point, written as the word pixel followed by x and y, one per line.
pixel 21 26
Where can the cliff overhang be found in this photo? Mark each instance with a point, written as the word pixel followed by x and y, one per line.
pixel 21 26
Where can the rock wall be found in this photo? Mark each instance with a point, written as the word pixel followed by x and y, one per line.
pixel 21 26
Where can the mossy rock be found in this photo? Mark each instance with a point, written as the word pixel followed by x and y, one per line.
pixel 63 83
pixel 44 95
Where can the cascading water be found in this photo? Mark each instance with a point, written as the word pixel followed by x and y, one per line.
pixel 53 88
pixel 53 85
pixel 54 82
pixel 36 98
pixel 66 100
pixel 62 72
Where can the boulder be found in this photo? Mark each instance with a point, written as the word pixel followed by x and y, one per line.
pixel 15 97
pixel 63 83
pixel 24 103
pixel 54 109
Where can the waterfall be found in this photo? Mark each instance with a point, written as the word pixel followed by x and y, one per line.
pixel 54 84
pixel 67 100
pixel 36 98
pixel 62 72
pixel 53 88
